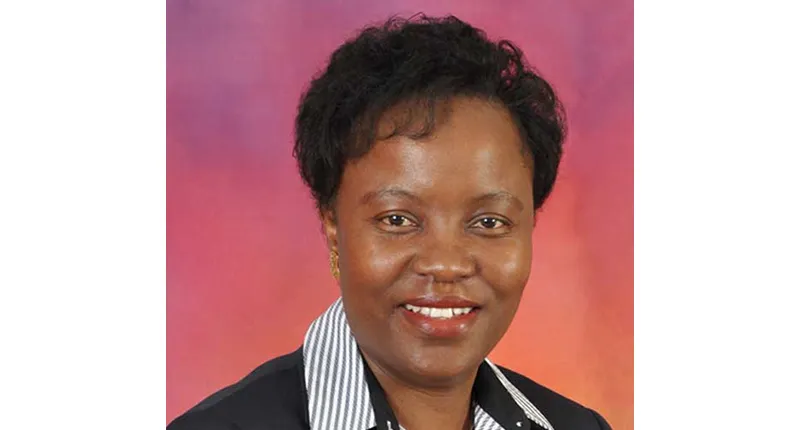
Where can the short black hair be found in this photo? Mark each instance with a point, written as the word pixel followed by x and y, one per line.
pixel 424 61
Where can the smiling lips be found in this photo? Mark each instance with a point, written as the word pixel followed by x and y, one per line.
pixel 445 317
pixel 444 313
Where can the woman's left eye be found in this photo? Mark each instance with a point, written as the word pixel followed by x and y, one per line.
pixel 490 223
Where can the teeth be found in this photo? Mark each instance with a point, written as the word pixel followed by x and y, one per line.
pixel 443 313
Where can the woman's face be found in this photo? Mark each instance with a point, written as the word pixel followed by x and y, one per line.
pixel 434 243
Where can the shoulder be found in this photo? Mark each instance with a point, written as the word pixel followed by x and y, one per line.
pixel 559 410
pixel 271 396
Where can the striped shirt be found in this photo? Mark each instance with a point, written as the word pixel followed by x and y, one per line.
pixel 344 394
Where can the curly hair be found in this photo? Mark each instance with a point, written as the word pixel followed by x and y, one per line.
pixel 420 61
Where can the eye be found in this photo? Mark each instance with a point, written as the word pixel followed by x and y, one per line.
pixel 396 220
pixel 490 223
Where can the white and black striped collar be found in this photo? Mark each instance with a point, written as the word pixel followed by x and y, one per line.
pixel 336 381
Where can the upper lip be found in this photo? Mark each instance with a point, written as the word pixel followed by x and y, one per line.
pixel 441 302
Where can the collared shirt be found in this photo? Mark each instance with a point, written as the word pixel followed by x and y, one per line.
pixel 325 385
pixel 343 392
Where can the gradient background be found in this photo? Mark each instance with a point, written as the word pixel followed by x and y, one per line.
pixel 247 267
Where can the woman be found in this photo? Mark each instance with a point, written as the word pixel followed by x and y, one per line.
pixel 428 150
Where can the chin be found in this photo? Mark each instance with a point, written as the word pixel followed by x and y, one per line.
pixel 442 368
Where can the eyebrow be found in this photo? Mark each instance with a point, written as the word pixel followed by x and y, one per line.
pixel 503 196
pixel 389 192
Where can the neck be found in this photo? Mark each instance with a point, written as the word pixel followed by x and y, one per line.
pixel 416 407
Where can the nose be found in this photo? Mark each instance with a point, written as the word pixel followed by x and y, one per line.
pixel 445 259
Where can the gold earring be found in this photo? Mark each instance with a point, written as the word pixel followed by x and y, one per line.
pixel 335 264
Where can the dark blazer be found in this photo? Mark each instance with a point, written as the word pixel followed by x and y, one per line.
pixel 273 396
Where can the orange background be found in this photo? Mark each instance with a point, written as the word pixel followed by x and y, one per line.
pixel 247 268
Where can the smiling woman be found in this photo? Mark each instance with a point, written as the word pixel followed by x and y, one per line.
pixel 454 231
pixel 429 150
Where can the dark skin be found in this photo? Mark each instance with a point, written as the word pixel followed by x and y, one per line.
pixel 450 214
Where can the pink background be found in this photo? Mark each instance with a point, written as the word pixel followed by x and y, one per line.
pixel 247 268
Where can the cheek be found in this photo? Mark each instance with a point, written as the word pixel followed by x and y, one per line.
pixel 507 268
pixel 371 263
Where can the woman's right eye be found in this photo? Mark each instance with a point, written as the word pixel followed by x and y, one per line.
pixel 395 220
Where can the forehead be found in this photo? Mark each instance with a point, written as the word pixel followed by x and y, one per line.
pixel 474 148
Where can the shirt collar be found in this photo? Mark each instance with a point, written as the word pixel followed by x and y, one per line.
pixel 343 392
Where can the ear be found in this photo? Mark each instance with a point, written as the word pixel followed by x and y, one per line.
pixel 328 218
